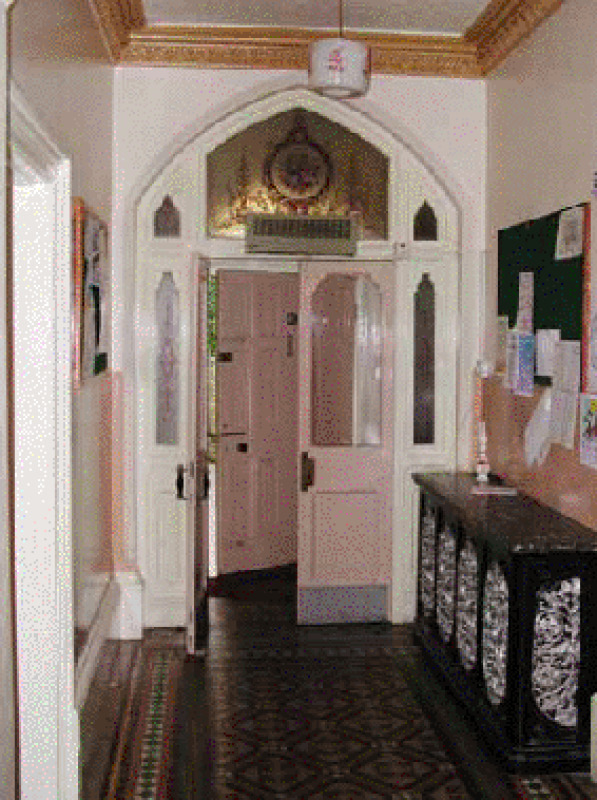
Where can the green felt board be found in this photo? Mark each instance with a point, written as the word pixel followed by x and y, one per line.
pixel 558 285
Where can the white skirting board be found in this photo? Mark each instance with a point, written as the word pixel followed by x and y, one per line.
pixel 127 622
pixel 98 633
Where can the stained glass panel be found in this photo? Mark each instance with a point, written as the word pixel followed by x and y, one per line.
pixel 167 361
pixel 424 363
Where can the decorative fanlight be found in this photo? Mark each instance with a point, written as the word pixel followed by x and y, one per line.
pixel 339 68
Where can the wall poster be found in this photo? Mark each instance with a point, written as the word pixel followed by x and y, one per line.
pixel 89 328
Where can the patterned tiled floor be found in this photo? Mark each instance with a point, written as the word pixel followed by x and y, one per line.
pixel 279 712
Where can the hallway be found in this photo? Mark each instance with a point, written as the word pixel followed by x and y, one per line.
pixel 280 712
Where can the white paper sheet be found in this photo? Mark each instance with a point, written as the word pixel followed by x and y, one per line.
pixel 526 365
pixel 566 373
pixel 570 233
pixel 537 436
pixel 546 351
pixel 526 287
pixel 562 425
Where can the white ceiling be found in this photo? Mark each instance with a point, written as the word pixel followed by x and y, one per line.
pixel 437 17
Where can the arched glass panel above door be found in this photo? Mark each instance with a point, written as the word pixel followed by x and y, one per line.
pixel 346 362
pixel 297 162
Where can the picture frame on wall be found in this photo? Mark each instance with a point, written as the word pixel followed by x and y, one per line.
pixel 90 261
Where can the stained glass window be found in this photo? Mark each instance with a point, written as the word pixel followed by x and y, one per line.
pixel 424 363
pixel 425 224
pixel 166 220
pixel 167 361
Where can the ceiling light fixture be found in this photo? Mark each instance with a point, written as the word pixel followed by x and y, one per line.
pixel 339 68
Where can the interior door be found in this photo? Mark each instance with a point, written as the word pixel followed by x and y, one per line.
pixel 257 419
pixel 345 441
pixel 198 487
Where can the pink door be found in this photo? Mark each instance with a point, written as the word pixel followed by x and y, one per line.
pixel 257 420
pixel 345 442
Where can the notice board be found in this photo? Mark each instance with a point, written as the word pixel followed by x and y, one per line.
pixel 559 285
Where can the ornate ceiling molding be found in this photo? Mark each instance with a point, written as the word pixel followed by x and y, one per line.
pixel 284 49
pixel 117 19
pixel 504 25
pixel 501 27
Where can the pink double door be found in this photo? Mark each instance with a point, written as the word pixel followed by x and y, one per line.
pixel 305 450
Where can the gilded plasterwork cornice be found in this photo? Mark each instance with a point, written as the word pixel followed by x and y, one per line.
pixel 288 49
pixel 504 25
pixel 117 19
pixel 499 29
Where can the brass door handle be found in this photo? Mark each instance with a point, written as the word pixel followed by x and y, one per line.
pixel 307 471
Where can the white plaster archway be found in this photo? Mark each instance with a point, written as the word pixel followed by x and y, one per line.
pixel 414 174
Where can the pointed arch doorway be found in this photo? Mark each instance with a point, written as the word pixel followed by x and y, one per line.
pixel 421 247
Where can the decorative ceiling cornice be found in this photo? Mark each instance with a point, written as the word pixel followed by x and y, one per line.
pixel 499 29
pixel 504 25
pixel 288 49
pixel 117 20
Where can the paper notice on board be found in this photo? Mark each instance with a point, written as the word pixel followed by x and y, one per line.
pixel 524 320
pixel 537 437
pixel 569 241
pixel 562 426
pixel 588 430
pixel 526 365
pixel 511 374
pixel 566 370
pixel 502 344
pixel 546 351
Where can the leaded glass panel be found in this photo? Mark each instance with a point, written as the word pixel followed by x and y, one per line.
pixel 424 363
pixel 167 361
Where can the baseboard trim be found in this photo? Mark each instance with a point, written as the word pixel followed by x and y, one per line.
pixel 336 605
pixel 128 620
pixel 97 635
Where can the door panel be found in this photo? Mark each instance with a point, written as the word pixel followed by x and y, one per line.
pixel 345 508
pixel 257 497
pixel 164 341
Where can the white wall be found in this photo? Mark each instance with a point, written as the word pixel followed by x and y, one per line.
pixel 542 126
pixel 58 64
pixel 158 110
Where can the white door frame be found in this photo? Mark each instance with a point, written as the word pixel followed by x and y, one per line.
pixel 414 176
pixel 48 722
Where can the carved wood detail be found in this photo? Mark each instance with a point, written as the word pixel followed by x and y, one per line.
pixel 497 31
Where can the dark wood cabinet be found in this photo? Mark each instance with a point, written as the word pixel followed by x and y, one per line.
pixel 507 612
